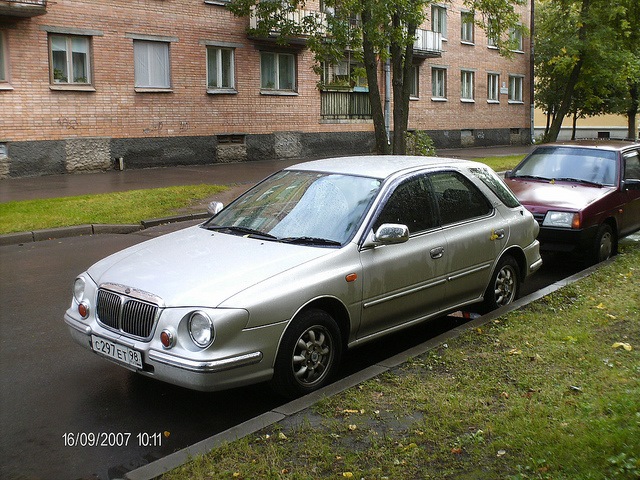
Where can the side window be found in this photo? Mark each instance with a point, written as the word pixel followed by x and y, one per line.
pixel 410 204
pixel 458 199
pixel 632 165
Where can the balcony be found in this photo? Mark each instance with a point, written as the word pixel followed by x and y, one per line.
pixel 22 8
pixel 347 105
pixel 428 44
pixel 297 19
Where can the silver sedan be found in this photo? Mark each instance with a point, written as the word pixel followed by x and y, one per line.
pixel 317 258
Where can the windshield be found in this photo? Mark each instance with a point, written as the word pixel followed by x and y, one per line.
pixel 299 206
pixel 588 165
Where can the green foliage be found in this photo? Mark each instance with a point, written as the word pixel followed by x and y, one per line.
pixel 420 143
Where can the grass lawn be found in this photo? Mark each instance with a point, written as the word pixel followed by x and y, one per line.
pixel 110 208
pixel 551 391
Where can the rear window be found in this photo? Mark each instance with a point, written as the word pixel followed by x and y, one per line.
pixel 497 186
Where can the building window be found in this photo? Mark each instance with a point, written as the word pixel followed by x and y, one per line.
pixel 151 64
pixel 493 88
pixel 220 69
pixel 414 79
pixel 492 38
pixel 439 83
pixel 277 71
pixel 4 76
pixel 466 83
pixel 517 42
pixel 69 59
pixel 515 88
pixel 439 20
pixel 467 28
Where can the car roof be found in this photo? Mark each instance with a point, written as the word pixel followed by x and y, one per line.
pixel 379 166
pixel 604 144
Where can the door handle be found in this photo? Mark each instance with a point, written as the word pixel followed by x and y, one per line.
pixel 436 252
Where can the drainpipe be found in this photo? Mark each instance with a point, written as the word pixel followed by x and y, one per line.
pixel 532 73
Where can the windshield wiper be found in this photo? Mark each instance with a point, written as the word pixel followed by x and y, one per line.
pixel 310 241
pixel 244 231
pixel 533 177
pixel 578 180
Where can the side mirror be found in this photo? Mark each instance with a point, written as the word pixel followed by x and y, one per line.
pixel 214 207
pixel 508 174
pixel 631 184
pixel 388 234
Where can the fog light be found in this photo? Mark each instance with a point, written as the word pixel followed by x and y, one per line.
pixel 167 338
pixel 83 310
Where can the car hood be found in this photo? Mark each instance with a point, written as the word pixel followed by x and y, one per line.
pixel 539 197
pixel 197 267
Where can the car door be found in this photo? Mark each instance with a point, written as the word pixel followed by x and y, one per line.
pixel 406 281
pixel 475 232
pixel 631 211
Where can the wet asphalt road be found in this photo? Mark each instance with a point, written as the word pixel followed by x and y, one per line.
pixel 54 392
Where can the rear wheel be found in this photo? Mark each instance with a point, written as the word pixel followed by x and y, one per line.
pixel 504 286
pixel 309 354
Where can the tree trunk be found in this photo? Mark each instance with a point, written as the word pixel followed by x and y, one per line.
pixel 401 64
pixel 371 67
pixel 634 93
pixel 570 86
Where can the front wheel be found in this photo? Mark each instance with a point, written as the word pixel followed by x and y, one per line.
pixel 504 286
pixel 604 245
pixel 309 354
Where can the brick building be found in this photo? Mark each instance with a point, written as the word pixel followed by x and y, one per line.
pixel 91 85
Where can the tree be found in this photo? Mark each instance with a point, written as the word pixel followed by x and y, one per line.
pixel 375 31
pixel 586 59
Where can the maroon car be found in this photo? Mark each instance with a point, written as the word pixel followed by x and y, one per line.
pixel 584 194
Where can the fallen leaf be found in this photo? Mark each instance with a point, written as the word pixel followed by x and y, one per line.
pixel 600 306
pixel 347 474
pixel 282 436
pixel 502 453
pixel 624 345
pixel 515 351
pixel 353 427
pixel 350 411
pixel 456 450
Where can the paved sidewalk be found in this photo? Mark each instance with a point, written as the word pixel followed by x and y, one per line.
pixel 233 174
pixel 237 176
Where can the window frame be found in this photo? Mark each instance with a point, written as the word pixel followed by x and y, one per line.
pixel 68 39
pixel 219 86
pixel 439 20
pixel 467 28
pixel 438 85
pixel 467 88
pixel 516 36
pixel 4 60
pixel 414 92
pixel 516 89
pixel 148 86
pixel 493 87
pixel 471 188
pixel 277 89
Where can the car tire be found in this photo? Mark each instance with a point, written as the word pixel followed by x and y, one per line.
pixel 309 353
pixel 504 287
pixel 604 245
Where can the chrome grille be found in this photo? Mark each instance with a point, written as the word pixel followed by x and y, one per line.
pixel 128 315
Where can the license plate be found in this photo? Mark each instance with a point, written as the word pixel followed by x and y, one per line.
pixel 117 352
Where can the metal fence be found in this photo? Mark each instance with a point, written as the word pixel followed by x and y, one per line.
pixel 344 105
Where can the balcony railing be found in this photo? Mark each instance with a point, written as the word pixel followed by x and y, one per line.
pixel 427 44
pixel 296 17
pixel 23 8
pixel 344 105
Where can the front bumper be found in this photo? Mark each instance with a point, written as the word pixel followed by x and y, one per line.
pixel 565 240
pixel 251 361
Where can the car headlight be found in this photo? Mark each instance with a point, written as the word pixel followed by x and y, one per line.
pixel 201 329
pixel 561 219
pixel 78 289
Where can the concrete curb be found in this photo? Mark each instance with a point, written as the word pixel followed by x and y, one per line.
pixel 96 229
pixel 159 467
